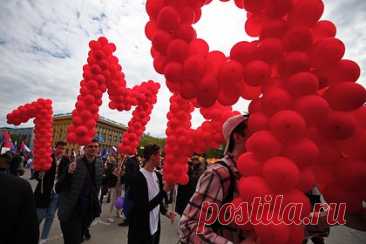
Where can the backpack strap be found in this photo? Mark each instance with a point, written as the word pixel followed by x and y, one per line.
pixel 230 194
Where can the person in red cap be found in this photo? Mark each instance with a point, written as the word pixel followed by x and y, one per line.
pixel 217 185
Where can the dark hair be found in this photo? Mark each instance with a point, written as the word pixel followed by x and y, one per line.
pixel 240 129
pixel 95 140
pixel 150 150
pixel 60 143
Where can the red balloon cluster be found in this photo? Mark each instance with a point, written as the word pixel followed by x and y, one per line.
pixel 41 111
pixel 182 141
pixel 104 73
pixel 190 69
pixel 307 112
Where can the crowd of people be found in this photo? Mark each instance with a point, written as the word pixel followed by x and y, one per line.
pixel 77 187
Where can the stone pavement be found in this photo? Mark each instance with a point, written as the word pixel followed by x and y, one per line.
pixel 104 232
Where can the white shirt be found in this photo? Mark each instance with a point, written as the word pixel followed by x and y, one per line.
pixel 153 189
pixel 58 161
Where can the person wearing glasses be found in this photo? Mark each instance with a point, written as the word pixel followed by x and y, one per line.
pixel 78 186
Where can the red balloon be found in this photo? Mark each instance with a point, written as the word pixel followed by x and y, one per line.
pixel 274 28
pixel 278 8
pixel 198 46
pixel 264 145
pixel 186 33
pixel 255 106
pixel 194 68
pixel 208 90
pixel 239 3
pixel 161 41
pixel 344 71
pixel 173 72
pixel 159 64
pixel 324 29
pixel 153 7
pixel 306 12
pixel 251 187
pixel 314 109
pixel 288 126
pixel 177 50
pixel 243 52
pixel 228 97
pixel 281 174
pixel 270 50
pixel 294 62
pixel 304 152
pixel 339 126
pixel 298 39
pixel 346 96
pixel 253 25
pixel 230 74
pixel 168 19
pixel 257 121
pixel 254 6
pixel 296 197
pixel 150 29
pixel 302 84
pixel 327 53
pixel 250 92
pixel 248 165
pixel 256 72
pixel 275 100
pixel 187 15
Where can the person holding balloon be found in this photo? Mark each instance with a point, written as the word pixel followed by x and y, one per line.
pixel 78 186
pixel 217 184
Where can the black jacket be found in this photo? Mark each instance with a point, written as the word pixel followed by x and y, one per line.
pixel 139 220
pixel 43 199
pixel 69 186
pixel 18 221
pixel 132 168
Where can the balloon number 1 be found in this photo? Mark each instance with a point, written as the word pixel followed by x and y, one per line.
pixel 41 110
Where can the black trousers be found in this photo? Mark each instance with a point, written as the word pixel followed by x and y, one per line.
pixel 72 230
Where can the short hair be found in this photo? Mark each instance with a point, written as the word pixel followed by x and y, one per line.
pixel 150 150
pixel 95 140
pixel 240 129
pixel 60 143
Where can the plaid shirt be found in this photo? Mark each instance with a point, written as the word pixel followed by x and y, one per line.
pixel 213 186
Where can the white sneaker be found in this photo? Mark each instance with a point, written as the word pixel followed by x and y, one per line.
pixel 110 220
pixel 43 241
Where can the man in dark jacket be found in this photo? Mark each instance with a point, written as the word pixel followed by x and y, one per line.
pixel 45 196
pixel 18 219
pixel 78 186
pixel 147 193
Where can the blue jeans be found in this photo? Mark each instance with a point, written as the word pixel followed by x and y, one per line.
pixel 48 214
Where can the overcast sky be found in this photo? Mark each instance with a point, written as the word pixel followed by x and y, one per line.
pixel 44 44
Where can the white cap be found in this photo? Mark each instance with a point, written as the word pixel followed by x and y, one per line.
pixel 229 126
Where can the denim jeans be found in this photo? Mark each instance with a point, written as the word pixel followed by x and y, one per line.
pixel 48 214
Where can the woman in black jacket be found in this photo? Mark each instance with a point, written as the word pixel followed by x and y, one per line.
pixel 147 193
